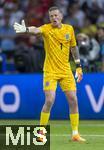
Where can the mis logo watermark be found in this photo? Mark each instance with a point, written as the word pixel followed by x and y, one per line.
pixel 24 137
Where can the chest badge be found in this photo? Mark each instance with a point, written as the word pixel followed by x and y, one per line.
pixel 67 36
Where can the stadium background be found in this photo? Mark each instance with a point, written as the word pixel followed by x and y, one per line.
pixel 21 95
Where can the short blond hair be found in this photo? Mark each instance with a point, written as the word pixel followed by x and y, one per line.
pixel 53 8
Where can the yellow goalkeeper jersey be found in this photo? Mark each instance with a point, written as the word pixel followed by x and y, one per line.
pixel 57 43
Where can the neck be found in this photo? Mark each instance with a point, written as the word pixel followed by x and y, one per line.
pixel 58 26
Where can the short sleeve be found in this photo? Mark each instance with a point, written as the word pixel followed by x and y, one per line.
pixel 73 39
pixel 43 29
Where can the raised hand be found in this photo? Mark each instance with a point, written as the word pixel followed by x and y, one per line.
pixel 20 28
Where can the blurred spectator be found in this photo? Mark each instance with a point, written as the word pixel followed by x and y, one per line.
pixel 29 58
pixel 23 58
pixel 100 19
pixel 36 43
pixel 1 12
pixel 36 11
pixel 95 12
pixel 7 45
pixel 7 35
pixel 89 50
pixel 100 3
pixel 16 13
pixel 63 5
pixel 100 34
pixel 75 16
pixel 23 5
pixel 88 28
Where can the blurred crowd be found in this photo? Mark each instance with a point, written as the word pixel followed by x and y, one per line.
pixel 25 53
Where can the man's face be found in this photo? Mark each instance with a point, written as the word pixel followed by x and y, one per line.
pixel 55 18
pixel 100 33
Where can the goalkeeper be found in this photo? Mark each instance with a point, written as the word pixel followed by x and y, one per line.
pixel 59 41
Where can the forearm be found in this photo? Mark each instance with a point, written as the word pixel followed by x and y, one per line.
pixel 75 54
pixel 33 30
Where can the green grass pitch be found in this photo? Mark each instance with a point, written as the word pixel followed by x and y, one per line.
pixel 93 131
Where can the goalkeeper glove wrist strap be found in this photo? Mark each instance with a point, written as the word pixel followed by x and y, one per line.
pixel 27 30
pixel 78 65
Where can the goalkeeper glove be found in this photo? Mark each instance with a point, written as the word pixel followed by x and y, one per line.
pixel 78 74
pixel 20 28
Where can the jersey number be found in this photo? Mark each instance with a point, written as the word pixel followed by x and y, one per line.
pixel 61 45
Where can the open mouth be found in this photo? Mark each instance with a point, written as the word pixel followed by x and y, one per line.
pixel 54 21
